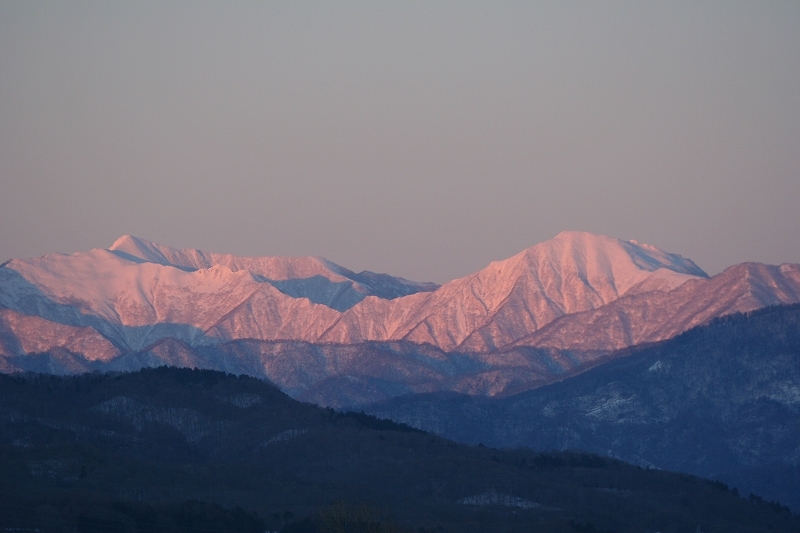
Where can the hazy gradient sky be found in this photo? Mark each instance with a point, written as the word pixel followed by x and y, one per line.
pixel 423 139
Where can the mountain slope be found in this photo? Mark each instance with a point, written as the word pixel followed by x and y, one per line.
pixel 655 316
pixel 129 303
pixel 720 401
pixel 86 453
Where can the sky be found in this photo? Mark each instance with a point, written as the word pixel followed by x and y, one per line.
pixel 421 139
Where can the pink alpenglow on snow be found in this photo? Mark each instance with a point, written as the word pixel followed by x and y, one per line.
pixel 578 291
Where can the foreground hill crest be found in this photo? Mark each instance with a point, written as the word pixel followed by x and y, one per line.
pixel 124 452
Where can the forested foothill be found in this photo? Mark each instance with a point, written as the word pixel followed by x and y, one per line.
pixel 203 451
pixel 720 401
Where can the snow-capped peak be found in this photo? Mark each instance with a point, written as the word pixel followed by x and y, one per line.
pixel 135 247
pixel 618 264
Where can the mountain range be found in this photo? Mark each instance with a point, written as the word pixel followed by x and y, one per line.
pixel 330 335
pixel 580 342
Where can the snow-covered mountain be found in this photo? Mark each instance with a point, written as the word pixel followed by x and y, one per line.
pixel 315 278
pixel 137 293
pixel 133 303
pixel 505 301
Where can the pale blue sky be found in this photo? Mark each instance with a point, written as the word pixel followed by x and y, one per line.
pixel 423 139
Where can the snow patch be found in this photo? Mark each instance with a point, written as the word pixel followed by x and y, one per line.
pixel 284 436
pixel 493 497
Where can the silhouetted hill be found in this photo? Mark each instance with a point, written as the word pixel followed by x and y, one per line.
pixel 720 401
pixel 188 450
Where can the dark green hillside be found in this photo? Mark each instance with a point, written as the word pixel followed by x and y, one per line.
pixel 187 450
pixel 719 401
